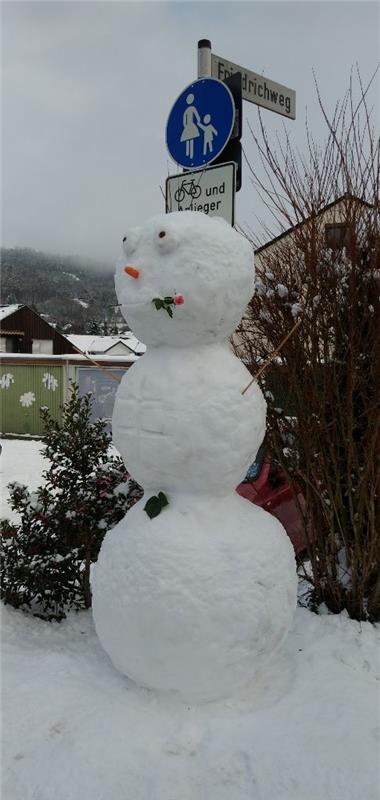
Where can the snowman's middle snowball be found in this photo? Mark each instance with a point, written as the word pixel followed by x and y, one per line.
pixel 182 423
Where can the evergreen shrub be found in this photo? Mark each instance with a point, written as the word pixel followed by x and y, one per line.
pixel 47 555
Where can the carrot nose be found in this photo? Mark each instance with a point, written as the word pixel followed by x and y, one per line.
pixel 132 271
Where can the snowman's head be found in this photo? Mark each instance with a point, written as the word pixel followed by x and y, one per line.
pixel 186 254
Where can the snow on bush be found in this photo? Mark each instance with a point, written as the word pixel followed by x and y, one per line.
pixel 46 557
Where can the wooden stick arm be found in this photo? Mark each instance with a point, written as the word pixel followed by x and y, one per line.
pixel 99 366
pixel 272 355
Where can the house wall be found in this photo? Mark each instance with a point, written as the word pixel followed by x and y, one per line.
pixel 336 214
pixel 117 350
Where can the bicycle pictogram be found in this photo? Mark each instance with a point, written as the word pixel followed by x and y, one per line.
pixel 189 188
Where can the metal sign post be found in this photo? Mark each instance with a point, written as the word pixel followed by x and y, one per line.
pixel 204 58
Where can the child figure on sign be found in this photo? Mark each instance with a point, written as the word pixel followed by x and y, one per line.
pixel 209 133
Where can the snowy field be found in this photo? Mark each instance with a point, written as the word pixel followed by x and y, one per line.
pixel 75 729
pixel 22 461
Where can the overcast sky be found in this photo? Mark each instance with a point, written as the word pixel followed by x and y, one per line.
pixel 88 86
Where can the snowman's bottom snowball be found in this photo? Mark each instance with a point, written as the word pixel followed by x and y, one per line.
pixel 192 600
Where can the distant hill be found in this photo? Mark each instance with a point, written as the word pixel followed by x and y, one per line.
pixel 74 294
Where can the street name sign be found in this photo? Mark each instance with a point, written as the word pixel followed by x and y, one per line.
pixel 211 191
pixel 200 123
pixel 256 88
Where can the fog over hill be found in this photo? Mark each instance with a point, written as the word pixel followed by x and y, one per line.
pixel 74 293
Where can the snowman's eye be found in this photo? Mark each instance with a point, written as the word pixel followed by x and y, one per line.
pixel 130 242
pixel 166 240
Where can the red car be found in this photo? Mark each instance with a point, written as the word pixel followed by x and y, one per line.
pixel 266 486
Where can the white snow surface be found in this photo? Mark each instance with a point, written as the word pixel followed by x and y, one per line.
pixel 21 461
pixel 199 257
pixel 101 344
pixel 75 729
pixel 6 311
pixel 81 302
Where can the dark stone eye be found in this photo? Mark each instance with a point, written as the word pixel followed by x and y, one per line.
pixel 125 239
pixel 162 234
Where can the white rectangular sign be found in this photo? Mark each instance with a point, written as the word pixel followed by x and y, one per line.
pixel 256 88
pixel 211 190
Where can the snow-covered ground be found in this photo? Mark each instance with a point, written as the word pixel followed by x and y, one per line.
pixel 21 460
pixel 75 729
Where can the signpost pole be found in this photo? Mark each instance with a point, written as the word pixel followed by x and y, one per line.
pixel 204 58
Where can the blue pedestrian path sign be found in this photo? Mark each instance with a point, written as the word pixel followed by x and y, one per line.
pixel 200 123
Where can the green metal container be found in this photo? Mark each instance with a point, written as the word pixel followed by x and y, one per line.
pixel 23 390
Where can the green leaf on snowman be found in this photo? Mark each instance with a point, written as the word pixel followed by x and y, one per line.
pixel 163 499
pixel 155 504
pixel 158 302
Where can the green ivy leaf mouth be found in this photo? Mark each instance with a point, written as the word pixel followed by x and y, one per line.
pixel 167 303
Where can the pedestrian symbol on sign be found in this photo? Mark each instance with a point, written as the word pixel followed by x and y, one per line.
pixel 191 124
pixel 200 123
pixel 190 131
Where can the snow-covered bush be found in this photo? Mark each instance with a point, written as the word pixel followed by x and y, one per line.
pixel 46 557
pixel 331 365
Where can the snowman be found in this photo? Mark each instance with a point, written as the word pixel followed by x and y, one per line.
pixel 190 599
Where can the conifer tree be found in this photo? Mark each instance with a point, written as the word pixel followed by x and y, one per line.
pixel 48 554
pixel 93 327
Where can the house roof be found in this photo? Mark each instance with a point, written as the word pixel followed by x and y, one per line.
pixel 9 310
pixel 71 358
pixel 6 311
pixel 103 344
pixel 133 343
pixel 321 211
pixel 86 343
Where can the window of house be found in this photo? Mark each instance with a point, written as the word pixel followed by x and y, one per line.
pixel 337 235
pixel 42 346
pixel 10 344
